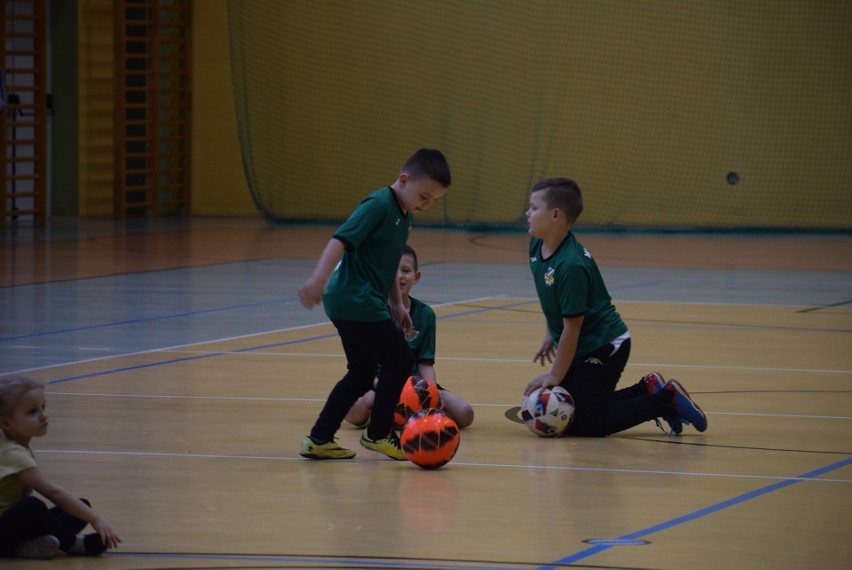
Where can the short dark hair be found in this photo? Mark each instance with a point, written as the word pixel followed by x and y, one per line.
pixel 562 193
pixel 429 162
pixel 408 250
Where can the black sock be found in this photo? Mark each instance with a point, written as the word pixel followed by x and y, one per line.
pixel 93 544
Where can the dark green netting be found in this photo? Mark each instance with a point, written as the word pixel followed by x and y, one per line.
pixel 670 114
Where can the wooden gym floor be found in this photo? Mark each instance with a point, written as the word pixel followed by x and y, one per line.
pixel 183 373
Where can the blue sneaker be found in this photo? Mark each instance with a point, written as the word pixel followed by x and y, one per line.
pixel 685 407
pixel 655 382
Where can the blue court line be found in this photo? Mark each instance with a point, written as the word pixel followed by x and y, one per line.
pixel 164 317
pixel 248 349
pixel 699 513
pixel 186 358
pixel 349 562
pixel 638 285
pixel 486 309
pixel 149 319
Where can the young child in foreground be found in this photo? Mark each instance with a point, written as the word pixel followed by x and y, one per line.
pixel 28 528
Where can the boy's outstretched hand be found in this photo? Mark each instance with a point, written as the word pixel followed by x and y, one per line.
pixel 545 380
pixel 546 352
pixel 401 316
pixel 310 293
pixel 108 536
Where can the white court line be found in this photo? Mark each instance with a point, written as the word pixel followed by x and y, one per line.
pixel 618 301
pixel 759 368
pixel 176 348
pixel 492 465
pixel 521 361
pixel 225 339
pixel 168 348
pixel 724 304
pixel 274 399
pixel 181 397
pixel 750 414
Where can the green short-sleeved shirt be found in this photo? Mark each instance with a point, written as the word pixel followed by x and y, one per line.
pixel 569 284
pixel 14 458
pixel 423 346
pixel 374 236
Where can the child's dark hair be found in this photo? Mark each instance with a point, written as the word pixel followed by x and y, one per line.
pixel 431 163
pixel 408 250
pixel 562 193
pixel 12 387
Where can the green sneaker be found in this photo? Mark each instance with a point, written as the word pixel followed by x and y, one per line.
pixel 329 450
pixel 388 445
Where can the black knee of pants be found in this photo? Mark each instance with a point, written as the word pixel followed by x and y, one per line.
pixel 30 518
pixel 591 380
pixel 70 522
pixel 392 378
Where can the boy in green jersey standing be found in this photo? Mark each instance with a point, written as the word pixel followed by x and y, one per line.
pixel 355 279
pixel 586 341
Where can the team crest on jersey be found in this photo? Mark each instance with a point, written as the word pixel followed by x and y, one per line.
pixel 549 276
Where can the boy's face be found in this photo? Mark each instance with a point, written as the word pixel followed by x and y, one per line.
pixel 406 275
pixel 417 195
pixel 28 419
pixel 539 216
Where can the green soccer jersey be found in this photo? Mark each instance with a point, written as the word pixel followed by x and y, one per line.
pixel 569 284
pixel 423 346
pixel 374 236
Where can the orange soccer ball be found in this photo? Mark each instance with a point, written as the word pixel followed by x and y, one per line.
pixel 430 438
pixel 418 393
